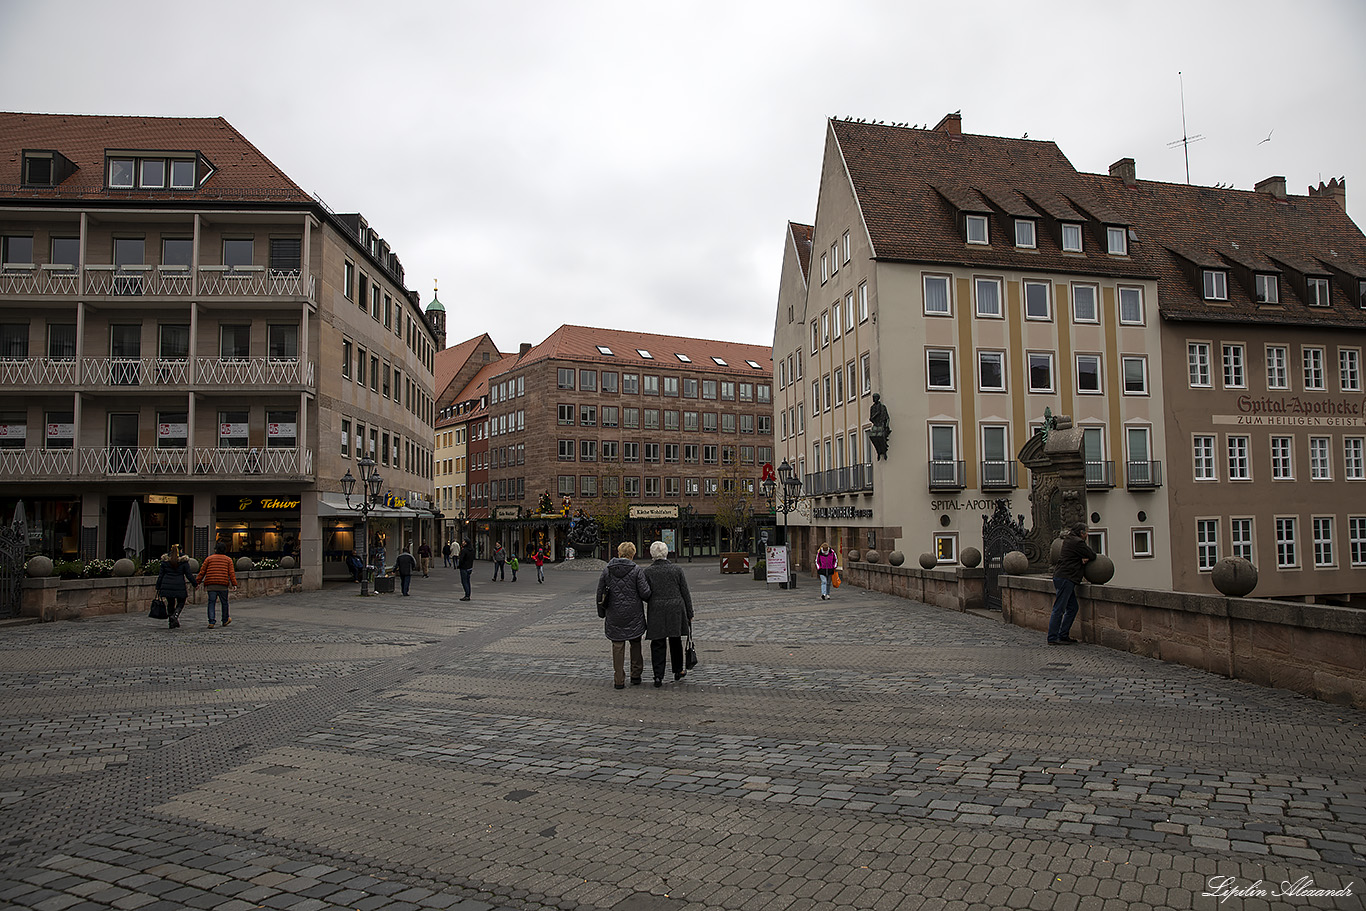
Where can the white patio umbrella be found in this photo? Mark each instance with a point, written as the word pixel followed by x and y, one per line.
pixel 20 522
pixel 133 541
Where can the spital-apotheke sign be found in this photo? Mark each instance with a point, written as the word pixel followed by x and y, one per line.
pixel 257 504
pixel 1293 411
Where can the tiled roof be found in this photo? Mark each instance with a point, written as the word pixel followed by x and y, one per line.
pixel 242 172
pixel 912 185
pixel 580 343
pixel 448 361
pixel 801 241
pixel 1186 229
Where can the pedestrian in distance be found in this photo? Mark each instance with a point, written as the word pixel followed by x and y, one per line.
pixel 219 575
pixel 465 563
pixel 173 584
pixel 500 558
pixel 825 568
pixel 1067 575
pixel 539 559
pixel 670 613
pixel 425 553
pixel 622 593
pixel 404 565
pixel 512 565
pixel 446 553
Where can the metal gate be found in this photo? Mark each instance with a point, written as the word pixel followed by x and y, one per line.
pixel 12 545
pixel 1000 535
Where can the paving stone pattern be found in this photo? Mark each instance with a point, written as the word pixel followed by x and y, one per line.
pixel 328 751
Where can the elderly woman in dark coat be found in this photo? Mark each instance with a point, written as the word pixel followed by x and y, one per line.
pixel 622 591
pixel 174 583
pixel 670 617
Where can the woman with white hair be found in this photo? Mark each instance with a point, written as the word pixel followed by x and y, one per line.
pixel 670 614
pixel 622 591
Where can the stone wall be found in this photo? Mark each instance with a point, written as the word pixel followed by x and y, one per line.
pixel 952 588
pixel 1318 650
pixel 72 599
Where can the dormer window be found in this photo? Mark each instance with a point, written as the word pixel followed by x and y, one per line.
pixel 1361 293
pixel 1117 240
pixel 45 168
pixel 1318 294
pixel 604 350
pixel 1071 238
pixel 1267 288
pixel 1024 233
pixel 645 354
pixel 1216 285
pixel 155 170
pixel 683 358
pixel 720 362
pixel 121 171
pixel 977 229
pixel 153 174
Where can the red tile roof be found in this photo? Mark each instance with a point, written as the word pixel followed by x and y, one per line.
pixel 801 241
pixel 449 361
pixel 242 172
pixel 579 343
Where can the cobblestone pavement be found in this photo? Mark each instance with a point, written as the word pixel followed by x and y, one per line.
pixel 327 751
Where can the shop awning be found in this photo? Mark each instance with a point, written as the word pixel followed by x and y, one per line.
pixel 330 504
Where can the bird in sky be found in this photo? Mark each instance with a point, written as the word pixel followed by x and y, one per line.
pixel 1268 138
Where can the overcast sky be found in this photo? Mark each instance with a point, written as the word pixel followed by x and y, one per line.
pixel 633 164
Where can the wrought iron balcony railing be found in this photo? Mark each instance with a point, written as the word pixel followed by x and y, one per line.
pixel 948 474
pixel 1100 475
pixel 1143 475
pixel 849 479
pixel 999 475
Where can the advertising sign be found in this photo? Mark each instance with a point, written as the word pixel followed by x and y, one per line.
pixel 775 562
pixel 653 512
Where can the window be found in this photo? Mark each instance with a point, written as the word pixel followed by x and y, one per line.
pixel 1313 368
pixel 849 316
pixel 1349 369
pixel 1356 536
pixel 1322 528
pixel 588 450
pixel 996 459
pixel 1037 305
pixel 121 172
pixel 649 384
pixel 1317 294
pixel 630 418
pixel 1320 463
pixel 670 387
pixel 1354 464
pixel 690 423
pixel 281 430
pixel 282 342
pixel 651 418
pixel 991 371
pixel 937 299
pixel 237 252
pixel 838 377
pixel 630 451
pixel 566 415
pixel 815 337
pixel 1142 539
pixel 1265 288
pixel 825 268
pixel 630 384
pixel 988 297
pixel 1140 468
pixel 1131 306
pixel 1088 374
pixel 709 453
pixel 235 343
pixel 566 450
pixel 938 369
pixel 1135 370
pixel 727 391
pixel 1239 466
pixel 1024 233
pixel 1071 238
pixel 863 300
pixel 866 365
pixel 1240 538
pixel 1361 293
pixel 671 452
pixel 588 380
pixel 1197 360
pixel 946 547
pixel 709 424
pixel 588 415
pixel 835 317
pixel 1282 463
pixel 349 280
pixel 1277 369
pixel 609 381
pixel 1084 306
pixel 763 393
pixel 825 328
pixel 61 341
pixel 709 388
pixel 1117 240
pixel 1234 377
pixel 1040 372
pixel 361 361
pixel 1216 285
pixel 1204 458
pixel 944 454
pixel 976 229
pixel 610 450
pixel 232 431
pixel 1206 544
pixel 14 341
pixel 66 252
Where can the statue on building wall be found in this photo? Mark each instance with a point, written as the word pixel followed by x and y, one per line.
pixel 882 426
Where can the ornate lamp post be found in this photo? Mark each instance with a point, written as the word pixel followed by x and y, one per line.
pixel 372 482
pixel 784 496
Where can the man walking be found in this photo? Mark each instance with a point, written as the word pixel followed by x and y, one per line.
pixel 465 563
pixel 499 561
pixel 218 574
pixel 446 554
pixel 425 552
pixel 404 566
pixel 1067 575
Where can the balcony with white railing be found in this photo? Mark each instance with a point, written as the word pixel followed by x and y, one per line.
pixel 37 464
pixel 107 280
pixel 253 371
pixel 27 372
pixel 277 461
pixel 30 280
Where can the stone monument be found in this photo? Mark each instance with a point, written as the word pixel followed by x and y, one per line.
pixel 1057 469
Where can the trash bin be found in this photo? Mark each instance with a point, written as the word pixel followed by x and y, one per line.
pixel 384 584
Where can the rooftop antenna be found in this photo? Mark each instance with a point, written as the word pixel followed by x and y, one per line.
pixel 1186 139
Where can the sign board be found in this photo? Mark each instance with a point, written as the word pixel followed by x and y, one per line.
pixel 775 562
pixel 668 536
pixel 61 431
pixel 161 499
pixel 256 504
pixel 653 512
pixel 505 512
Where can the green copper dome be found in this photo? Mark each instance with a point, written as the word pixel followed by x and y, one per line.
pixel 435 305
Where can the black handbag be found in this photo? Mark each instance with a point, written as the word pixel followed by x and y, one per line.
pixel 158 610
pixel 690 656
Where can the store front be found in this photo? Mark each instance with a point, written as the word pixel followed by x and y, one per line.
pixel 259 527
pixel 53 524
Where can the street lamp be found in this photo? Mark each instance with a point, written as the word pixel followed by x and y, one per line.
pixel 784 496
pixel 372 482
pixel 687 519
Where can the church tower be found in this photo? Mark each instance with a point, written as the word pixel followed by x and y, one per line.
pixel 436 316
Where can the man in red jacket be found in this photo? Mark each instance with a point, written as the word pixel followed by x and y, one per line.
pixel 218 573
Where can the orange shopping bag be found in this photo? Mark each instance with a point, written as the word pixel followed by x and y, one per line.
pixel 836 580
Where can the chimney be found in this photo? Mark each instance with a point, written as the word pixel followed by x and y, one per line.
pixel 523 349
pixel 1124 169
pixel 1273 185
pixel 1336 189
pixel 951 124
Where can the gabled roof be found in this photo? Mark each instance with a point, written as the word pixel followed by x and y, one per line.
pixel 580 343
pixel 241 171
pixel 451 363
pixel 801 242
